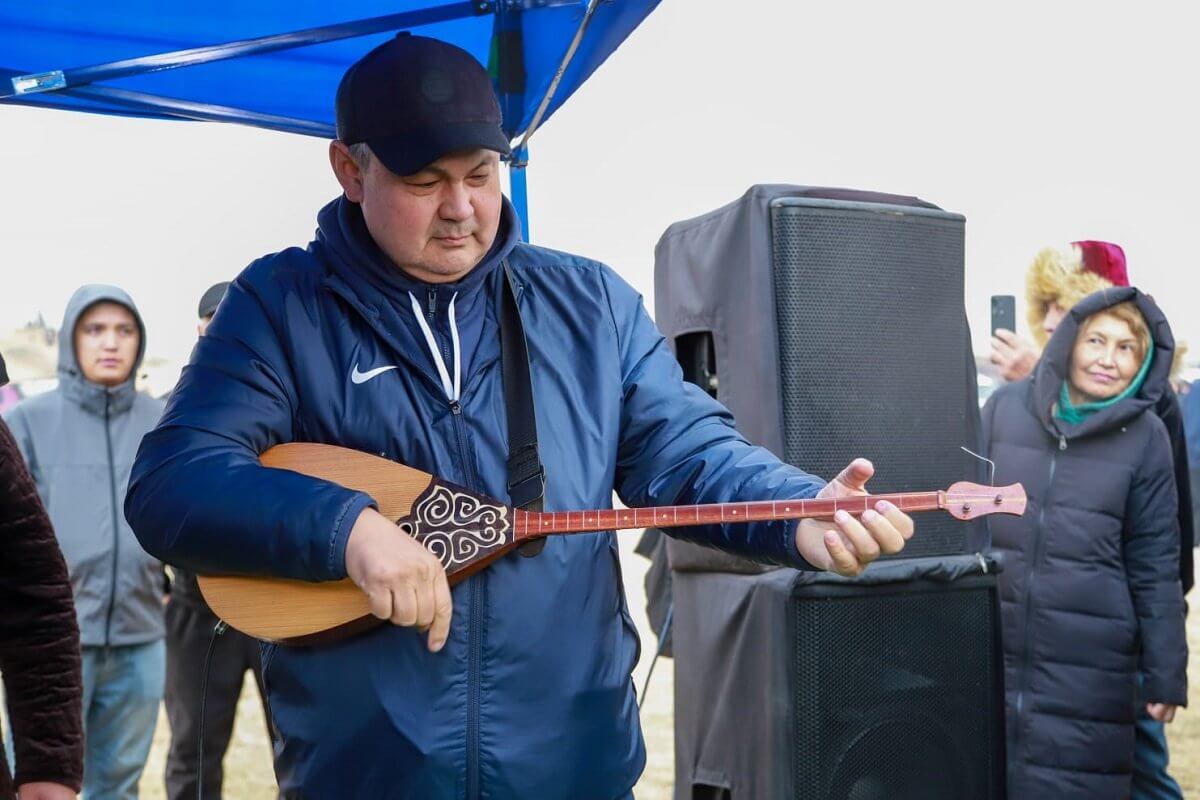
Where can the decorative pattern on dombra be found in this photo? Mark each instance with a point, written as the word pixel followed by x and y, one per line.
pixel 456 526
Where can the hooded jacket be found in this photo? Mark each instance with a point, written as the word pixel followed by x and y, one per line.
pixel 1090 591
pixel 1061 276
pixel 79 441
pixel 531 695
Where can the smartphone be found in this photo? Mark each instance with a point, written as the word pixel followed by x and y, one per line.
pixel 1004 312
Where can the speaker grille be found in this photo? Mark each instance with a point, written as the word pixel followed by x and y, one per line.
pixel 896 694
pixel 873 348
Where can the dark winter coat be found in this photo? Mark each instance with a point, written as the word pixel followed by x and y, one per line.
pixel 39 638
pixel 1090 588
pixel 531 696
pixel 1170 411
pixel 1190 410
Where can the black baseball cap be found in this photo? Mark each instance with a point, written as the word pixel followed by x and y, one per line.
pixel 414 99
pixel 211 299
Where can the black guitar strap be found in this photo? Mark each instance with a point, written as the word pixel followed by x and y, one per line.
pixel 526 476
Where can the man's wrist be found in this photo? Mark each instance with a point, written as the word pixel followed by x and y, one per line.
pixel 797 559
pixel 341 533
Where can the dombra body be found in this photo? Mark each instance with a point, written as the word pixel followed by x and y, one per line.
pixel 469 531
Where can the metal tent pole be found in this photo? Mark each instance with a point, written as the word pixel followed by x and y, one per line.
pixel 520 156
pixel 518 192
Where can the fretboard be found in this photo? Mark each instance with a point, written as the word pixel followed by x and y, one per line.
pixel 541 523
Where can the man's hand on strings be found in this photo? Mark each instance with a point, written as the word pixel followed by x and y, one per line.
pixel 846 545
pixel 404 583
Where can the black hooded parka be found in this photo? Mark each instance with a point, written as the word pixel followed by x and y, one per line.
pixel 1090 590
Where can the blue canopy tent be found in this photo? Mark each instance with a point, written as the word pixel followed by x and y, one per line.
pixel 277 64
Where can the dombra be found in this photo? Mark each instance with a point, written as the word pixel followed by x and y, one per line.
pixel 468 531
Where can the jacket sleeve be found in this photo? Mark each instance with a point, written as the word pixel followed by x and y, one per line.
pixel 198 496
pixel 1152 567
pixel 678 446
pixel 1170 412
pixel 39 636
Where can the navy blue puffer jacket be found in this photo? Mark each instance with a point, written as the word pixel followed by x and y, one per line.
pixel 531 697
pixel 1090 589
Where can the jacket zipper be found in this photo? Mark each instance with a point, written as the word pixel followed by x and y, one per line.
pixel 477 583
pixel 447 356
pixel 1031 570
pixel 475 628
pixel 116 537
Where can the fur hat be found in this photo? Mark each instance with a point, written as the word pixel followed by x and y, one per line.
pixel 1061 275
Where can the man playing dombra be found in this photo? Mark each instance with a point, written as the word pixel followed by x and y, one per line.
pixel 383 336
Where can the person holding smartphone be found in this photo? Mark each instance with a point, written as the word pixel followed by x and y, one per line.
pixel 1057 279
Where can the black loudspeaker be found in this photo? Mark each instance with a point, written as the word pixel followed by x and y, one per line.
pixel 793 685
pixel 836 325
pixel 873 350
pixel 898 690
pixel 831 323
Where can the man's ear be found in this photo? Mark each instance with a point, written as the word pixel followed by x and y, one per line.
pixel 346 170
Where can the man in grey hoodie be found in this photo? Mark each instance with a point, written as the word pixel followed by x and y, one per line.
pixel 79 441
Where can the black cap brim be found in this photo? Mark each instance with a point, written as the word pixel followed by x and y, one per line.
pixel 409 152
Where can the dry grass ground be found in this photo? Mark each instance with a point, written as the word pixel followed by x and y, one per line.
pixel 248 764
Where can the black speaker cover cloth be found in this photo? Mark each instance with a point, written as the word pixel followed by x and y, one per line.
pixel 839 328
pixel 809 686
pixel 838 324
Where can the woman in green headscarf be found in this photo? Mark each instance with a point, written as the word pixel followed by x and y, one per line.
pixel 1090 590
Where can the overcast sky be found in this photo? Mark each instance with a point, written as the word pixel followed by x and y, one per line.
pixel 1040 122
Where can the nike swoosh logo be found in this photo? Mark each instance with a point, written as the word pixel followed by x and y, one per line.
pixel 363 377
